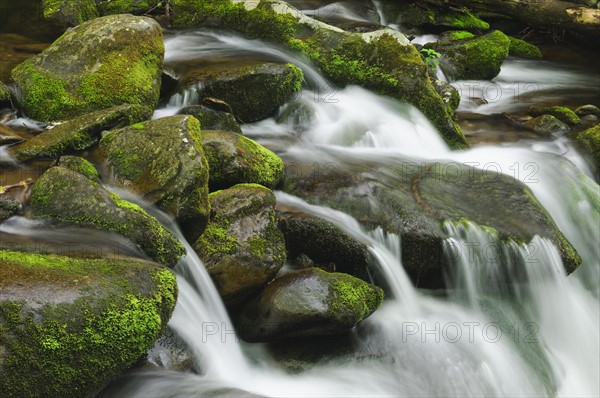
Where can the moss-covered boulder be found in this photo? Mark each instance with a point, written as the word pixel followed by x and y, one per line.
pixel 79 165
pixel 254 92
pixel 477 58
pixel 562 113
pixel 309 302
pixel 69 326
pixel 79 133
pixel 325 244
pixel 5 96
pixel 383 61
pixel 69 13
pixel 235 159
pixel 413 200
pixel 9 206
pixel 241 248
pixel 449 94
pixel 589 141
pixel 520 48
pixel 587 110
pixel 211 119
pixel 455 35
pixel 163 161
pixel 104 62
pixel 65 196
pixel 546 124
pixel 107 7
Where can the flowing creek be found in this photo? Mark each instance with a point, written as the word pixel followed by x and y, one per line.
pixel 538 337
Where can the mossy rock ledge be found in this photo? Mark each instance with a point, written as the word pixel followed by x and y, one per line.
pixel 383 61
pixel 235 159
pixel 589 142
pixel 413 201
pixel 241 248
pixel 104 62
pixel 308 302
pixel 108 7
pixel 476 58
pixel 163 161
pixel 79 133
pixel 67 197
pixel 69 326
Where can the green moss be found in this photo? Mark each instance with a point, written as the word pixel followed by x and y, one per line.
pixel 521 48
pixel 260 22
pixel 49 352
pixel 266 168
pixel 216 240
pixel 69 12
pixel 107 7
pixel 589 141
pixel 563 114
pixel 460 34
pixel 137 126
pixel 80 165
pixel 464 20
pixel 348 294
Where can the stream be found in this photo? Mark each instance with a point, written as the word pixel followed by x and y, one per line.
pixel 532 337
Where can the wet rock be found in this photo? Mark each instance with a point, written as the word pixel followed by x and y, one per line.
pixel 78 133
pixel 5 96
pixel 383 61
pixel 8 136
pixel 69 13
pixel 211 119
pixel 563 114
pixel 546 124
pixel 412 200
pixel 9 206
pixel 589 142
pixel 254 92
pixel 477 58
pixel 79 165
pixel 586 110
pixel 163 161
pixel 417 15
pixel 61 317
pixel 308 302
pixel 241 248
pixel 104 62
pixel 449 94
pixel 235 159
pixel 107 7
pixel 521 48
pixel 65 196
pixel 325 244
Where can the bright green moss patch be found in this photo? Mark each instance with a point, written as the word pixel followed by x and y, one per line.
pixel 463 20
pixel 562 113
pixel 589 141
pixel 521 48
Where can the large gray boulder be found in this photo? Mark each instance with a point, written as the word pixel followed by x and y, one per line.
pixel 163 161
pixel 413 200
pixel 309 302
pixel 241 248
pixel 65 196
pixel 69 326
pixel 107 61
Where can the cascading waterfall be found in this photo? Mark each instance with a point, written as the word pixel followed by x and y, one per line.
pixel 414 345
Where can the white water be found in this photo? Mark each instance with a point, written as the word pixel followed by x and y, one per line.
pixel 411 346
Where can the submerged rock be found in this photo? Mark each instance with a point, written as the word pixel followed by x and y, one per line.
pixel 235 159
pixel 69 13
pixel 325 244
pixel 211 119
pixel 68 197
pixel 254 92
pixel 62 317
pixel 477 58
pixel 412 200
pixel 309 302
pixel 383 61
pixel 78 133
pixel 562 113
pixel 241 248
pixel 163 161
pixel 101 63
pixel 546 124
